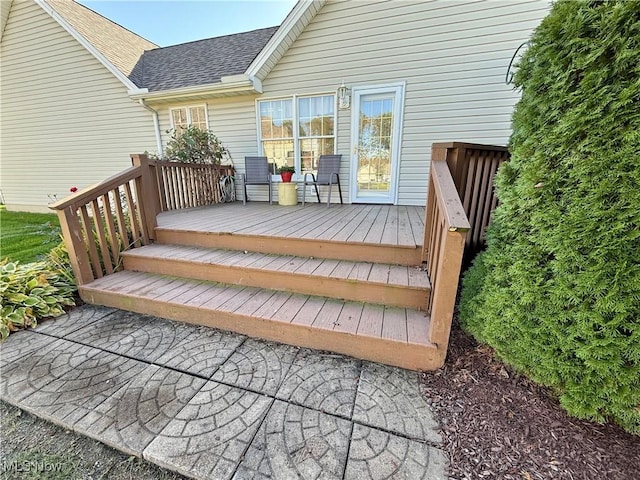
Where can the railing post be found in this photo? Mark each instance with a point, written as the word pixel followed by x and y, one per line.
pixel 446 288
pixel 150 192
pixel 438 152
pixel 76 247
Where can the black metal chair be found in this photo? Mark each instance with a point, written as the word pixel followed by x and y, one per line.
pixel 328 174
pixel 256 172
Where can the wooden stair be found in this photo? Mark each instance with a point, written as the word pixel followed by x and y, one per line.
pixel 335 301
pixel 392 335
pixel 391 285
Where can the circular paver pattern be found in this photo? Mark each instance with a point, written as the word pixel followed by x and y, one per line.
pixel 377 455
pixel 389 398
pixel 323 382
pixel 257 365
pixel 298 443
pixel 209 436
pixel 131 418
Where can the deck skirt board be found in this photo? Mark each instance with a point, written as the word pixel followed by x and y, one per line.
pixel 361 330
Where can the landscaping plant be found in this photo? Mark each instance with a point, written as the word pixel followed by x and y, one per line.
pixel 29 293
pixel 557 291
pixel 194 145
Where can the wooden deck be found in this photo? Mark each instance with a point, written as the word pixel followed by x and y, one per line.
pixel 390 234
pixel 377 282
pixel 346 278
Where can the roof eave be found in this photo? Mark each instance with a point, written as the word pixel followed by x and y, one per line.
pixel 228 86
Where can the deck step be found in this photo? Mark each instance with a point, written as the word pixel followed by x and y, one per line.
pixel 391 335
pixel 282 245
pixel 392 285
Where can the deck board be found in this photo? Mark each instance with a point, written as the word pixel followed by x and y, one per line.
pixel 349 318
pixel 375 224
pixel 371 320
pixel 362 230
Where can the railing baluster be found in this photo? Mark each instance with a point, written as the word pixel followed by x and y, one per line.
pixel 102 239
pixel 76 246
pixel 91 242
pixel 142 211
pixel 122 224
pixel 133 220
pixel 111 228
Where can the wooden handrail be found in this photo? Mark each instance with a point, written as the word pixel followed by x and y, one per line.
pixel 447 197
pixel 101 221
pixel 473 168
pixel 87 194
pixel 445 230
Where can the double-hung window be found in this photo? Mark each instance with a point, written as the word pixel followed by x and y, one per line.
pixel 182 117
pixel 295 131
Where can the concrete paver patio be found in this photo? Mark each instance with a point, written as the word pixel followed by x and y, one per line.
pixel 211 404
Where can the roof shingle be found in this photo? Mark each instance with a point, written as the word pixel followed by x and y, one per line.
pixel 121 47
pixel 200 62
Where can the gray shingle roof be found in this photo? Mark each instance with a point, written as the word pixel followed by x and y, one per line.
pixel 200 62
pixel 120 46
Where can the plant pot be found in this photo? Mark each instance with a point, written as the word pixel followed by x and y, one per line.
pixel 286 176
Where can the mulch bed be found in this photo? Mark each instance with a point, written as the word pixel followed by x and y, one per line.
pixel 498 424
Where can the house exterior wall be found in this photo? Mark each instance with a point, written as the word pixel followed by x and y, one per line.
pixel 453 57
pixel 66 120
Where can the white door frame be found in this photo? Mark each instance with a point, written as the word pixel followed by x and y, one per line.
pixel 398 113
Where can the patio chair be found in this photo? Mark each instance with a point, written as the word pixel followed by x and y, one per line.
pixel 256 172
pixel 328 168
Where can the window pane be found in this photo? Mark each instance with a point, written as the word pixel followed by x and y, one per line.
pixel 198 117
pixel 310 151
pixel 276 120
pixel 315 116
pixel 279 152
pixel 179 117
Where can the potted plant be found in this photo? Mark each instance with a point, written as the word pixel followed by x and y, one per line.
pixel 286 172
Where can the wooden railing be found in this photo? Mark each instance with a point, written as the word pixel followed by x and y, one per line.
pixel 445 230
pixel 473 168
pixel 101 221
pixel 187 185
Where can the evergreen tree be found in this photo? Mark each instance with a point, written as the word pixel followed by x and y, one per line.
pixel 557 291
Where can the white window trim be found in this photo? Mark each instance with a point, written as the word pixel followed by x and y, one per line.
pixel 206 114
pixel 296 130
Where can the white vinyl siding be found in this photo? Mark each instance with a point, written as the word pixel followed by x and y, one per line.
pixel 452 55
pixel 65 119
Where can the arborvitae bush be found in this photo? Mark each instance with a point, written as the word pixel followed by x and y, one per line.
pixel 557 291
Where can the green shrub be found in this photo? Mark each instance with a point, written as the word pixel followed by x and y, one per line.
pixel 557 291
pixel 29 293
pixel 194 145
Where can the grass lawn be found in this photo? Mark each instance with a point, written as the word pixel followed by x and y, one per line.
pixel 27 237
